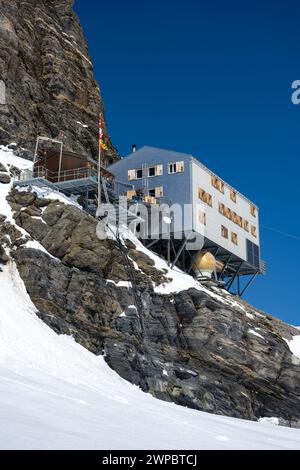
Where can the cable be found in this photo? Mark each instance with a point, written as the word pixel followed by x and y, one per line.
pixel 290 235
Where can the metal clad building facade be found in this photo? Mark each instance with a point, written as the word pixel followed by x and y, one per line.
pixel 218 211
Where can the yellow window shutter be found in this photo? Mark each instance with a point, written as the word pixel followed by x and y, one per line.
pixel 158 170
pixel 159 192
pixel 131 194
pixel 131 175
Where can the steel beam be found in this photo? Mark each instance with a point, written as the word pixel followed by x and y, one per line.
pixel 249 284
pixel 152 243
pixel 234 277
pixel 180 251
pixel 225 267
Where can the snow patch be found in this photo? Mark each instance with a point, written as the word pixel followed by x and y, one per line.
pixel 126 284
pixel 47 193
pixel 250 315
pixel 253 332
pixel 294 345
pixel 273 421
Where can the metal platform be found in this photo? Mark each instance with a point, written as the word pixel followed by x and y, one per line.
pixel 77 186
pixel 39 182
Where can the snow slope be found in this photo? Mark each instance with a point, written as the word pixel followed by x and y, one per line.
pixel 54 394
pixel 294 345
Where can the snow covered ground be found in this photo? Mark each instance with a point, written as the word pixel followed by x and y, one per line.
pixel 294 345
pixel 54 394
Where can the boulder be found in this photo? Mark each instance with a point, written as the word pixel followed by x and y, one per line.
pixel 4 178
pixel 22 198
pixel 4 258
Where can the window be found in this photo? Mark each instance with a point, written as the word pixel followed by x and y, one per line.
pixel 172 168
pixel 202 217
pixel 156 170
pixel 218 184
pixel 253 210
pixel 156 192
pixel 253 253
pixel 204 196
pixel 229 213
pixel 224 231
pixel 246 225
pixel 233 216
pixel 233 195
pixel 254 231
pixel 240 221
pixel 221 208
pixel 131 194
pixel 176 167
pixel 234 238
pixel 135 174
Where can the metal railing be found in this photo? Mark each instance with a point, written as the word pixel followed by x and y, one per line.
pixel 40 172
pixel 25 175
pixel 56 177
pixel 66 175
pixel 262 267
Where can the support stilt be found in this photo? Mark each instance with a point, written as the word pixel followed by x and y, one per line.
pixel 180 251
pixel 249 284
pixel 234 277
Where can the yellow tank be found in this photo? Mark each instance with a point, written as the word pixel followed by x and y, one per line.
pixel 204 264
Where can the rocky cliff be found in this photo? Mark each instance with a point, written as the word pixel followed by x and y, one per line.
pixel 47 76
pixel 199 348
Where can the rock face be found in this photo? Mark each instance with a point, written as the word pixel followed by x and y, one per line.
pixel 195 348
pixel 47 76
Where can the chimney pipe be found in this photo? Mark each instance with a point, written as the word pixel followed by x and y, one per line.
pixel 133 148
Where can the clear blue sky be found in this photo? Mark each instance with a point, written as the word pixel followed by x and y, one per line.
pixel 213 78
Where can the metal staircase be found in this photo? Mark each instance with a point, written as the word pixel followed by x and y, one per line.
pixel 131 274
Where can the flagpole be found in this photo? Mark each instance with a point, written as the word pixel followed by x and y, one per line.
pixel 99 162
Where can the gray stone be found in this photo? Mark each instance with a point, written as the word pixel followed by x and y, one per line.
pixel 4 258
pixel 22 198
pixel 3 169
pixel 4 178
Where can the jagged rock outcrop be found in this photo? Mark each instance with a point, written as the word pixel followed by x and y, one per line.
pixel 196 348
pixel 47 76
